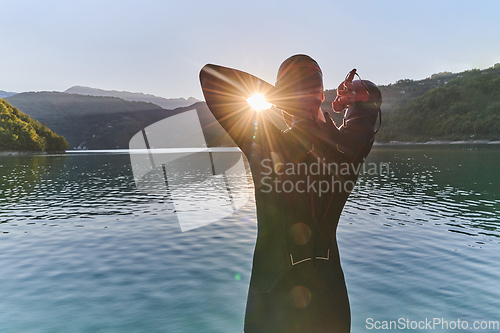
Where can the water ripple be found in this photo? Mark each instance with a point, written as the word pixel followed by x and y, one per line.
pixel 81 249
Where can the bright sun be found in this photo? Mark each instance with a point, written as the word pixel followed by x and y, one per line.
pixel 258 102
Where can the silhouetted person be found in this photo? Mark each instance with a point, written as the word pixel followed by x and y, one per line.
pixel 301 186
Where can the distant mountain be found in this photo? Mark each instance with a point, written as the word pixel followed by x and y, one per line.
pixel 94 122
pixel 19 132
pixel 4 94
pixel 166 103
pixel 106 122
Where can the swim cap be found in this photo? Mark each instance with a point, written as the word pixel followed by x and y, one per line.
pixel 299 73
pixel 367 91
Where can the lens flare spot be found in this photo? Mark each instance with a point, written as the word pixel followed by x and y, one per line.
pixel 278 166
pixel 301 296
pixel 258 102
pixel 300 233
pixel 237 276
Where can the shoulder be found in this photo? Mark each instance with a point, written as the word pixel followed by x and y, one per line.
pixel 366 111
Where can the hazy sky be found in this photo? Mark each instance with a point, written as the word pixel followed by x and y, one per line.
pixel 159 47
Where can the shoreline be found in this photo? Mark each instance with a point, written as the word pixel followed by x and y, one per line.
pixel 22 153
pixel 29 153
pixel 391 143
pixel 437 142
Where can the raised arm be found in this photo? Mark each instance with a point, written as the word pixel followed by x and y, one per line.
pixel 225 90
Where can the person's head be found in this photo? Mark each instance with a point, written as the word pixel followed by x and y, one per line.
pixel 367 91
pixel 299 75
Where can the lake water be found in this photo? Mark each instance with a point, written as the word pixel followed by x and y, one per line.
pixel 82 250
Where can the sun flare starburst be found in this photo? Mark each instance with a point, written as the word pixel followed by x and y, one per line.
pixel 258 102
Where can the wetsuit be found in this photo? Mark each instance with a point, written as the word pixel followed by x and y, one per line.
pixel 297 283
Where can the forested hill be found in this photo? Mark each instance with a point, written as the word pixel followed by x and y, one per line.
pixel 445 106
pixel 18 132
pixel 466 107
pixel 398 94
